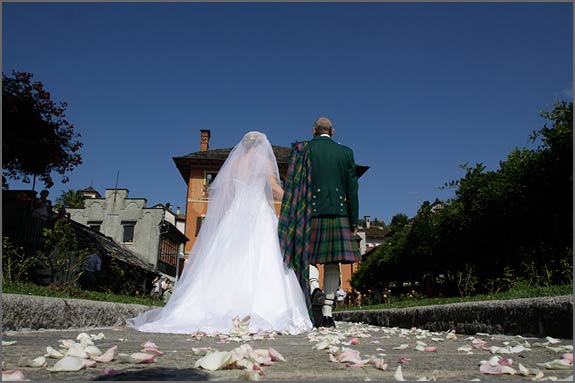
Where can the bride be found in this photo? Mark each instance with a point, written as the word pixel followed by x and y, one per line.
pixel 237 268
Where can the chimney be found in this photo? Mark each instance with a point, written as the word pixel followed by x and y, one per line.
pixel 204 140
pixel 178 211
pixel 367 221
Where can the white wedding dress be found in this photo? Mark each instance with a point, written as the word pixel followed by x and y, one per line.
pixel 237 268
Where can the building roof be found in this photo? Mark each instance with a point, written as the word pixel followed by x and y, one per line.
pixel 376 232
pixel 91 238
pixel 216 158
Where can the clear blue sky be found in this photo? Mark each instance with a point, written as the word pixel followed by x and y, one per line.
pixel 416 89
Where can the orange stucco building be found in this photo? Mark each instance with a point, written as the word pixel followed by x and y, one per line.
pixel 198 169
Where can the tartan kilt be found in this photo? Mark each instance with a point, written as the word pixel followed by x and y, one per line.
pixel 332 241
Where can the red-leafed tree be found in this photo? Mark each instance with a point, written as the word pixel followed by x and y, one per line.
pixel 37 139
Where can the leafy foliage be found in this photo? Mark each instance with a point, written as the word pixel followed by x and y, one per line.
pixel 63 254
pixel 505 227
pixel 71 198
pixel 37 139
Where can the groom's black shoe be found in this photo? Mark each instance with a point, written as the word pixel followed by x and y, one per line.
pixel 327 322
pixel 317 301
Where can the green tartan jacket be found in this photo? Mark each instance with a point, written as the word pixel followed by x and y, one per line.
pixel 334 183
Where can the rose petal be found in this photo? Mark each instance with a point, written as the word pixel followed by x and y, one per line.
pixel 404 360
pixel 275 355
pixel 89 363
pixel 51 353
pixel 106 357
pixel 402 346
pixel 12 376
pixel 85 339
pixel 557 364
pixel 9 343
pixel 29 362
pixel 77 350
pixel 68 363
pixel 430 349
pixel 567 356
pixel 214 360
pixel 399 374
pixel 93 350
pixel 141 357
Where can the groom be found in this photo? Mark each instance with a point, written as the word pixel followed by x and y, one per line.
pixel 319 215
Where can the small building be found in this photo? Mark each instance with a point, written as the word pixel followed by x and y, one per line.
pixel 150 233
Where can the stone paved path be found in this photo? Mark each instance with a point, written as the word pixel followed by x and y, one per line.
pixel 307 356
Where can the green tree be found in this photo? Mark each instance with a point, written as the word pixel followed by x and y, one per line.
pixel 37 139
pixel 71 198
pixel 398 221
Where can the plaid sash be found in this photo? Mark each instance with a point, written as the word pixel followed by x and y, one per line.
pixel 295 217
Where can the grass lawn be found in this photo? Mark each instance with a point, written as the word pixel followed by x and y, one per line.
pixel 61 292
pixel 514 293
pixel 66 292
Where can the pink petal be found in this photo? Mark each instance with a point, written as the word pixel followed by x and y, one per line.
pixel 430 349
pixel 12 375
pixel 106 357
pixel 486 368
pixel 89 363
pixel 404 360
pixel 505 362
pixel 153 350
pixel 149 344
pixel 258 369
pixel 374 342
pixel 568 356
pixel 277 356
pixel 110 372
pixel 354 341
pixel 140 357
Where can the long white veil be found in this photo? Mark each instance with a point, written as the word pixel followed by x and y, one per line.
pixel 251 162
pixel 235 267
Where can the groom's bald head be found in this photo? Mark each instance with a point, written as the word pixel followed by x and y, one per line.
pixel 322 126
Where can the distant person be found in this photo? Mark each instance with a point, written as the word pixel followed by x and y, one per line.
pixel 61 217
pixel 92 266
pixel 42 205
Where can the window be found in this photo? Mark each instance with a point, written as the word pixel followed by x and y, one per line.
pixel 128 235
pixel 199 221
pixel 209 178
pixel 95 225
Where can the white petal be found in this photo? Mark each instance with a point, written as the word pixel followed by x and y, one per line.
pixel 552 340
pixel 85 339
pixel 9 343
pixel 68 363
pixel 402 346
pixel 465 348
pixel 29 362
pixel 77 350
pixel 214 360
pixel 557 364
pixel 398 374
pixel 93 350
pixel 51 353
pixel 97 337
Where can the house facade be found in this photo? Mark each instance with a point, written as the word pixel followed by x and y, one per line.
pixel 151 233
pixel 198 169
